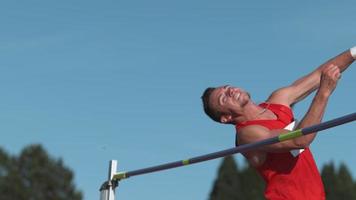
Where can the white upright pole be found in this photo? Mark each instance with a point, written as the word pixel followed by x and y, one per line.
pixel 107 190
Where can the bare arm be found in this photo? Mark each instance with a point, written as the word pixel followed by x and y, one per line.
pixel 330 76
pixel 305 85
pixel 314 115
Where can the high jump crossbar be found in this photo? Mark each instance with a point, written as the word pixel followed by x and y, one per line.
pixel 115 177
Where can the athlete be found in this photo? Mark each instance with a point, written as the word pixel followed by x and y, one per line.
pixel 288 167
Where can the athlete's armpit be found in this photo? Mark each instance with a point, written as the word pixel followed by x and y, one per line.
pixel 255 133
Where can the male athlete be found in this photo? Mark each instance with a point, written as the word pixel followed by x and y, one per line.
pixel 287 167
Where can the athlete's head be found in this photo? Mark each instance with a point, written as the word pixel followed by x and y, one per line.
pixel 223 104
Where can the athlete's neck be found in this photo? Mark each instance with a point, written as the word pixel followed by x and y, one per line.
pixel 250 111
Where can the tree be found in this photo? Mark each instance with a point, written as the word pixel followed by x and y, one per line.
pixel 252 183
pixel 33 175
pixel 5 166
pixel 233 183
pixel 338 183
pixel 227 186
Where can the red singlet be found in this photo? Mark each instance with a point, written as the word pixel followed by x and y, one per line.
pixel 286 176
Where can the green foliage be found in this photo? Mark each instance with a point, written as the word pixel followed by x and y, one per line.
pixel 236 183
pixel 338 184
pixel 33 175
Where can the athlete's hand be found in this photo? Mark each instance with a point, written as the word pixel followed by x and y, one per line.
pixel 329 78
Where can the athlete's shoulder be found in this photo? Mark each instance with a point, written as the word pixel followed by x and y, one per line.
pixel 281 96
pixel 252 133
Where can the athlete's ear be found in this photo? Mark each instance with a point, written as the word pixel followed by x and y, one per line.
pixel 225 119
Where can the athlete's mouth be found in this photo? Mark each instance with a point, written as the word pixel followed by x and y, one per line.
pixel 237 96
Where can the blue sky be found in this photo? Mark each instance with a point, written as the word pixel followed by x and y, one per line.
pixel 100 80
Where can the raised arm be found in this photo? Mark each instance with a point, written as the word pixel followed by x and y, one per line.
pixel 307 84
pixel 314 115
pixel 330 76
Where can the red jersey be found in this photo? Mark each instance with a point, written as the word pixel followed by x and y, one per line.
pixel 287 176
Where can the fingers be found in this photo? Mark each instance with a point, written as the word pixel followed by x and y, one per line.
pixel 332 71
pixel 329 78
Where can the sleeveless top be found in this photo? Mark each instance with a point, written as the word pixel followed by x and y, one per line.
pixel 287 176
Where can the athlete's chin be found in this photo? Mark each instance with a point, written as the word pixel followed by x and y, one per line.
pixel 244 99
pixel 244 102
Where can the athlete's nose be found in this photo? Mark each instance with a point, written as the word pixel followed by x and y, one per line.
pixel 232 91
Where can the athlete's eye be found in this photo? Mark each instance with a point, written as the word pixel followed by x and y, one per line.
pixel 224 99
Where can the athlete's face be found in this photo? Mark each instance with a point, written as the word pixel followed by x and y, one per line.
pixel 229 99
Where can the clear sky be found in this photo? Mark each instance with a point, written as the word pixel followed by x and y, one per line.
pixel 98 80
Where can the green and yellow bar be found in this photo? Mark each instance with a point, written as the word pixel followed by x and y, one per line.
pixel 283 137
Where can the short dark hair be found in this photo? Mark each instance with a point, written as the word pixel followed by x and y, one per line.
pixel 213 114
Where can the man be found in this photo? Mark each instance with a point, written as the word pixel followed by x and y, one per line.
pixel 287 167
